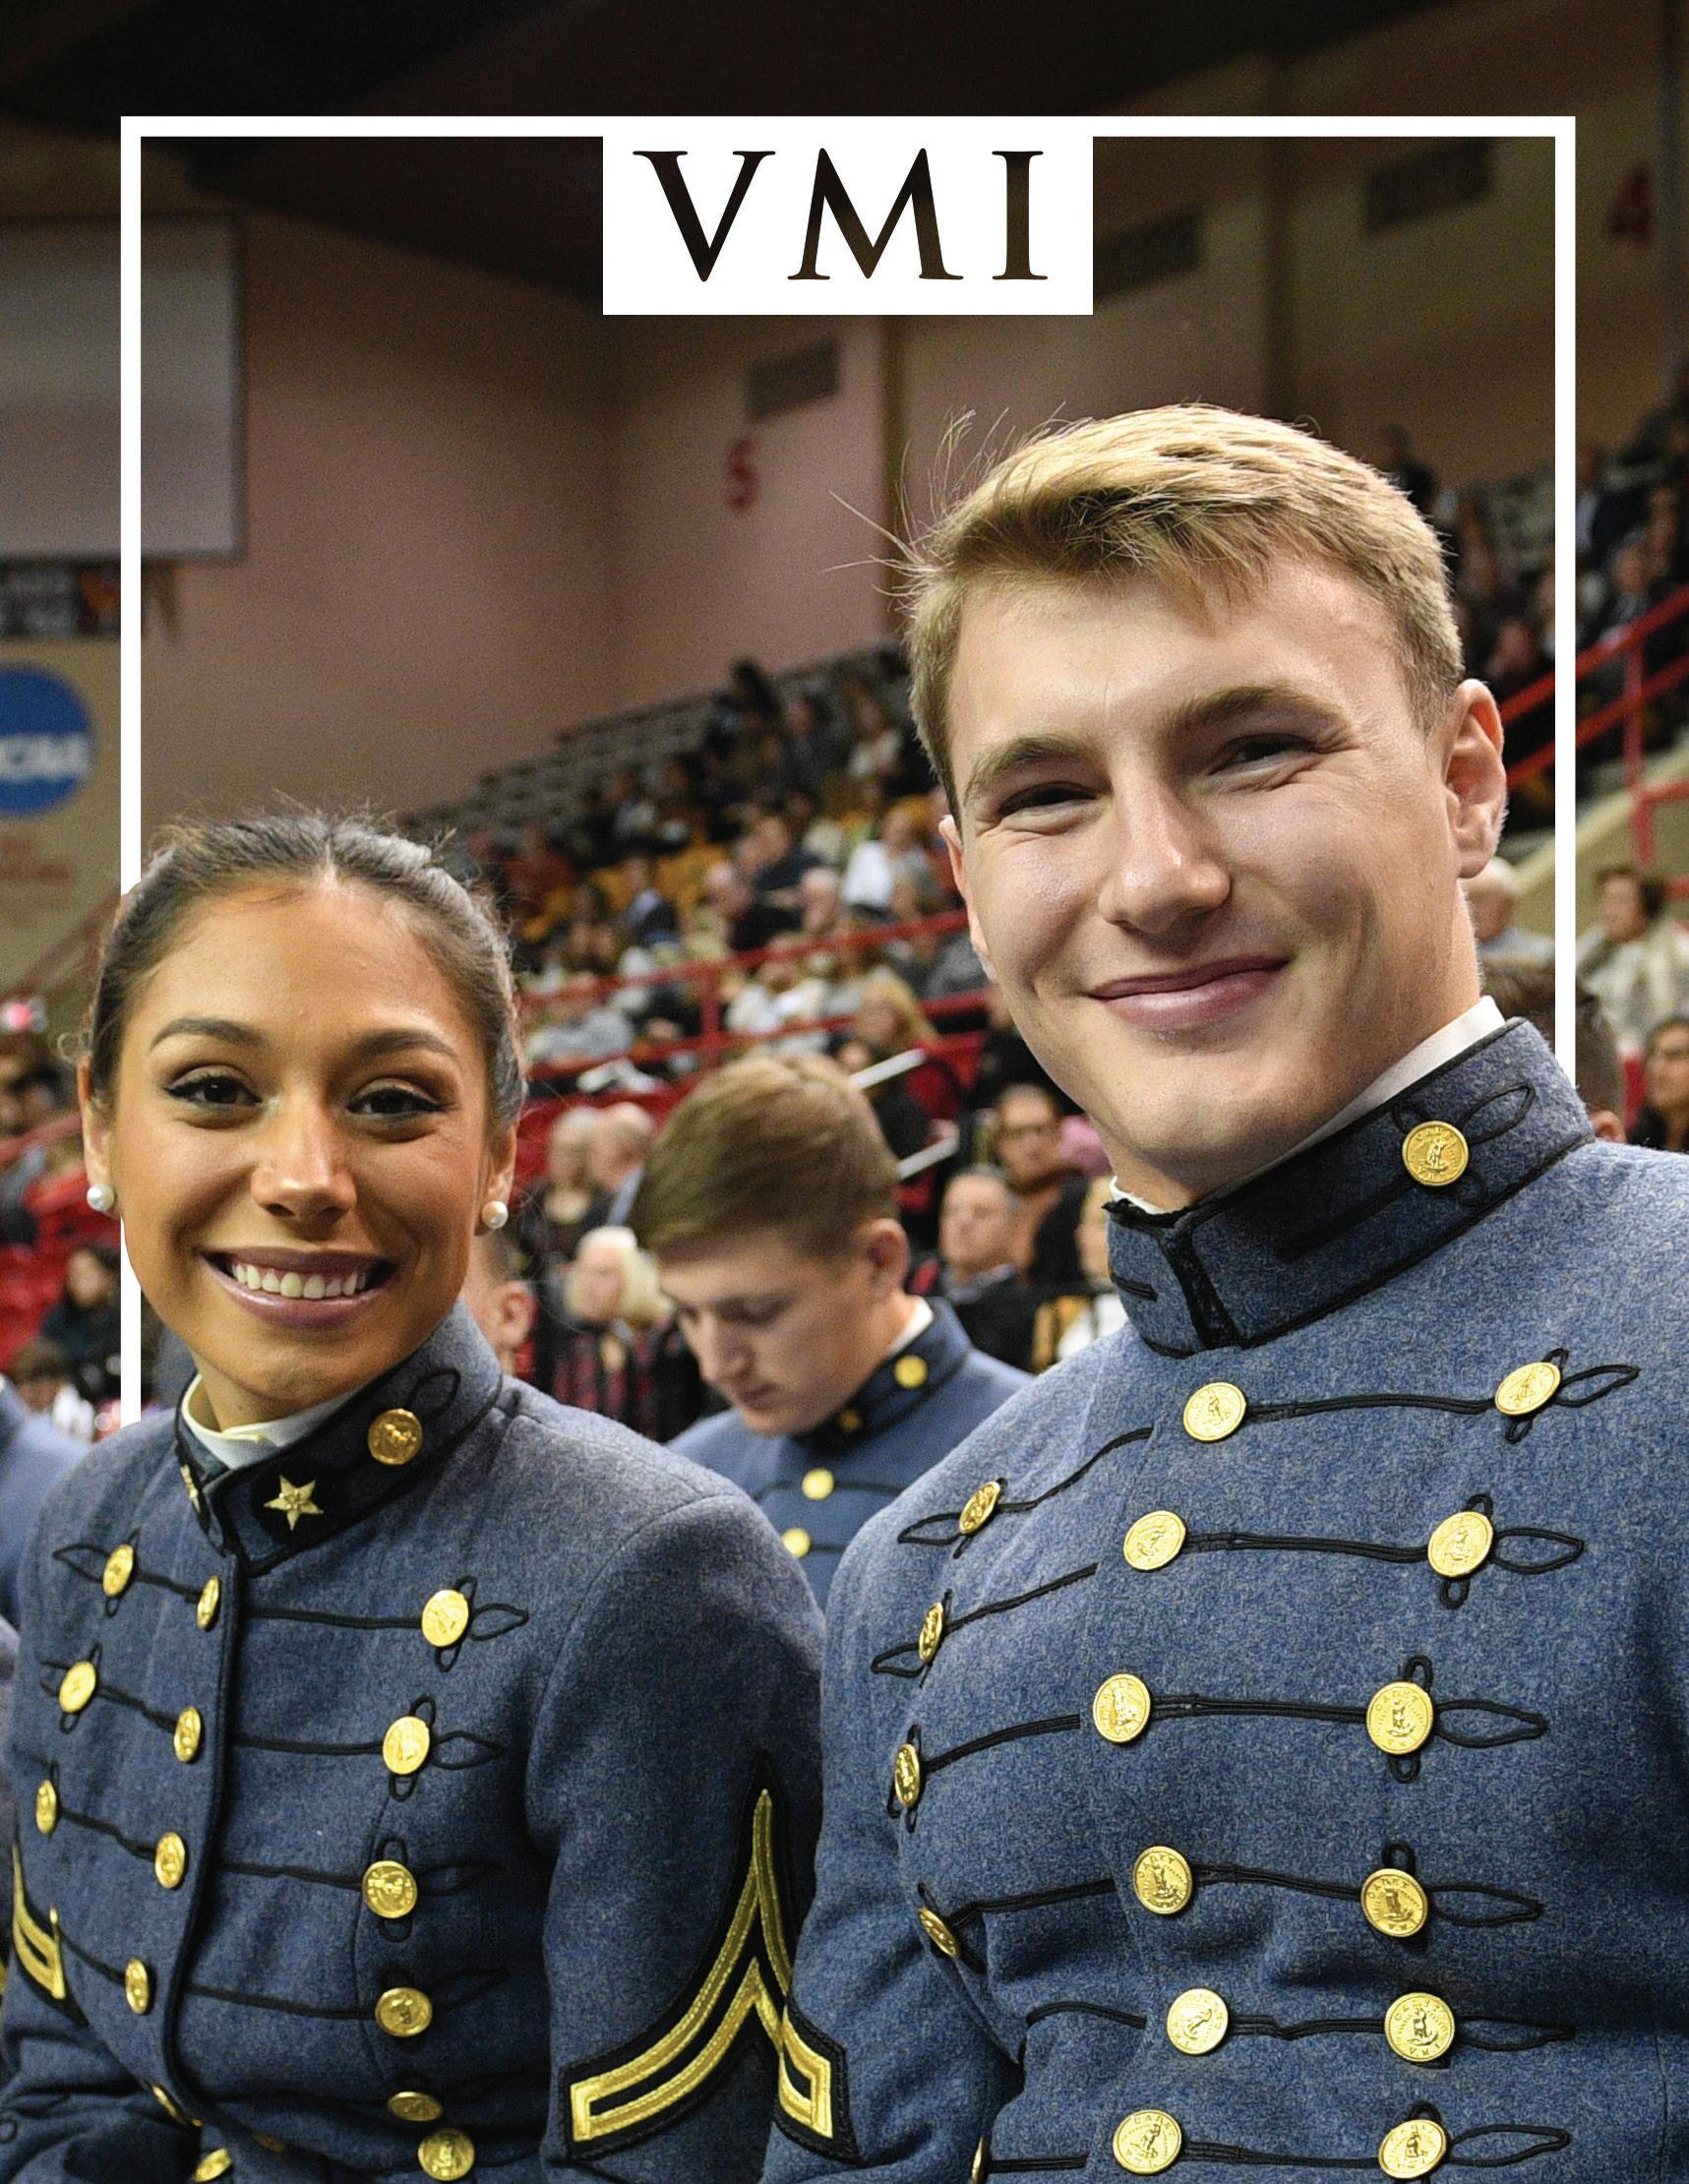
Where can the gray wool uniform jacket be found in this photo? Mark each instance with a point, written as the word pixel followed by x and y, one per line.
pixel 1262 1749
pixel 434 1796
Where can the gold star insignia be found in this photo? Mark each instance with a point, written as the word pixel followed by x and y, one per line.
pixel 295 1501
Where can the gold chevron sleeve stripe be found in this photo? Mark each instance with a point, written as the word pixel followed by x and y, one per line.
pixel 802 2065
pixel 37 1947
pixel 732 1986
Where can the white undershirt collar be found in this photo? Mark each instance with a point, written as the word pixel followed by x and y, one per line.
pixel 242 1445
pixel 1465 1030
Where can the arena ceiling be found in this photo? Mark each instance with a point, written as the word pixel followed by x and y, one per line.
pixel 531 210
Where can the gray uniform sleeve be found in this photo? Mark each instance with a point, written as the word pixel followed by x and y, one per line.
pixel 69 2111
pixel 884 2068
pixel 675 1779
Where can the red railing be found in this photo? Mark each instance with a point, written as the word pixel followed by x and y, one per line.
pixel 1627 714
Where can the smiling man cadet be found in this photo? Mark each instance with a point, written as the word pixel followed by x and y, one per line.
pixel 1298 1674
pixel 770 1203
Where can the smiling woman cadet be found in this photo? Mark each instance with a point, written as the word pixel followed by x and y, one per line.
pixel 415 1775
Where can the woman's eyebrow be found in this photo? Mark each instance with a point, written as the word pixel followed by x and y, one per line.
pixel 223 1028
pixel 398 1039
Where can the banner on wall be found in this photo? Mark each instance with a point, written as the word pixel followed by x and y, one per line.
pixel 58 793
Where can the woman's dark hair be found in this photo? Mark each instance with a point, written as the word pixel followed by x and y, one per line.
pixel 197 863
pixel 1652 890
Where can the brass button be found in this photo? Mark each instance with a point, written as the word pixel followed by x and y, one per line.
pixel 403 2012
pixel 1527 1388
pixel 1162 1881
pixel 1414 2148
pixel 390 1889
pixel 931 1633
pixel 445 1618
pixel 906 1775
pixel 937 1932
pixel 119 1569
pixel 910 1372
pixel 1461 1544
pixel 849 1421
pixel 1154 1540
pixel 218 2163
pixel 171 1861
pixel 977 1509
pixel 797 1540
pixel 447 2154
pixel 1421 2027
pixel 192 1486
pixel 210 1598
pixel 1394 1903
pixel 394 1437
pixel 188 1731
pixel 1197 2021
pixel 138 1987
pixel 79 1683
pixel 819 1484
pixel 1435 1155
pixel 405 1747
pixel 1215 1410
pixel 1120 1709
pixel 414 2108
pixel 46 1807
pixel 1147 2141
pixel 1398 1718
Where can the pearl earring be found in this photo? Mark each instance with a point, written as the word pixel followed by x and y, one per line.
pixel 495 1213
pixel 102 1198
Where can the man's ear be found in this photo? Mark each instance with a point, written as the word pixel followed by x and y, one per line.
pixel 518 1309
pixel 884 1246
pixel 1607 1126
pixel 1475 775
pixel 951 836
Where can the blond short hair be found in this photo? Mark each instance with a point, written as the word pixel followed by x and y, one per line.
pixel 771 1141
pixel 642 1303
pixel 1190 496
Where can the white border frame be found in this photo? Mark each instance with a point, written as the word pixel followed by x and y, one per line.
pixel 1559 129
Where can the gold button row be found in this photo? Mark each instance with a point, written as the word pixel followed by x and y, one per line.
pixel 1150 2140
pixel 1217 1408
pixel 1459 1545
pixel 1398 1718
pixel 1392 1901
pixel 120 1568
pixel 1419 2027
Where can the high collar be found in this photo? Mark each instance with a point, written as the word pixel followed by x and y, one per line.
pixel 897 1385
pixel 1325 1226
pixel 308 1492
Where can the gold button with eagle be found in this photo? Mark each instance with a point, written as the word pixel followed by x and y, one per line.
pixel 394 1437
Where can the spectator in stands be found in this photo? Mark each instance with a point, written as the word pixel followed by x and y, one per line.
pixel 552 1219
pixel 977 1224
pixel 888 1019
pixel 634 821
pixel 782 862
pixel 84 1321
pixel 1026 1135
pixel 501 1303
pixel 615 1162
pixel 1492 898
pixel 578 1025
pixel 615 1350
pixel 42 1374
pixel 1405 473
pixel 875 864
pixel 1604 513
pixel 1635 960
pixel 34 1455
pixel 771 1206
pixel 747 922
pixel 1662 1121
pixel 649 916
pixel 875 740
pixel 813 746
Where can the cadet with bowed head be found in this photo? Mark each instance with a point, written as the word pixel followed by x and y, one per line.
pixel 416 1776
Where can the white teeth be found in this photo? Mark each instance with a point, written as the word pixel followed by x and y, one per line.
pixel 312 1286
pixel 270 1282
pixel 331 1289
pixel 292 1284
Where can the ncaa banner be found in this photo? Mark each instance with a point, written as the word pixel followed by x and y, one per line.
pixel 711 218
pixel 58 793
